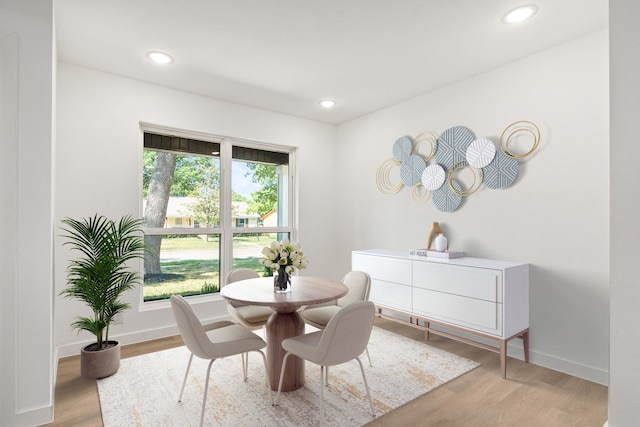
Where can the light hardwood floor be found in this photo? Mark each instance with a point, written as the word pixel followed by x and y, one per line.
pixel 530 396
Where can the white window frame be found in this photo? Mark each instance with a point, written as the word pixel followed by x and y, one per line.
pixel 227 229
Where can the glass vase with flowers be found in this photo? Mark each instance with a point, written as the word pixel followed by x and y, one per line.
pixel 283 258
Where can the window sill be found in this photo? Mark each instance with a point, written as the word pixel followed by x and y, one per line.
pixel 193 300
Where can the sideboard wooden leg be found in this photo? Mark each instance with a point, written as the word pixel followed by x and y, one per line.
pixel 503 358
pixel 525 344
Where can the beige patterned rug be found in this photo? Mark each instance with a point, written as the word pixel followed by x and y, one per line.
pixel 144 392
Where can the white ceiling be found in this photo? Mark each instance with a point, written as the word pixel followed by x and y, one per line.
pixel 287 55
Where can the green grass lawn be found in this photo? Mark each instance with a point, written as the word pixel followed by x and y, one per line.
pixel 195 242
pixel 194 277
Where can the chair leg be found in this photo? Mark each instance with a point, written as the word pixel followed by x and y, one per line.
pixel 245 365
pixel 366 349
pixel 184 382
pixel 206 388
pixel 284 365
pixel 266 370
pixel 322 371
pixel 366 386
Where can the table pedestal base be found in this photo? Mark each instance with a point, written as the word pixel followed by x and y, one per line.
pixel 279 327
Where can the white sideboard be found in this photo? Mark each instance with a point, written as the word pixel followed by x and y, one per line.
pixel 470 297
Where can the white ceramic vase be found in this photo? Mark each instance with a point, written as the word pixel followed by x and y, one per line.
pixel 441 243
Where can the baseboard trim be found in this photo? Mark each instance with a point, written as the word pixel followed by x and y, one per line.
pixel 515 350
pixel 586 372
pixel 73 349
pixel 34 417
pixel 569 367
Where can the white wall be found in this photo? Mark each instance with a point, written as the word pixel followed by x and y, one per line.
pixel 555 216
pixel 26 150
pixel 624 385
pixel 99 171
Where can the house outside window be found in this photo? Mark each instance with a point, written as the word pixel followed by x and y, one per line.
pixel 203 201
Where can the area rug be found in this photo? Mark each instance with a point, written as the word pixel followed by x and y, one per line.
pixel 144 392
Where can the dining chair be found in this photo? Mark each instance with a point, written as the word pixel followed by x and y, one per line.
pixel 251 316
pixel 359 284
pixel 342 340
pixel 216 340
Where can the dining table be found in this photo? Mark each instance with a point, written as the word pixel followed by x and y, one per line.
pixel 286 321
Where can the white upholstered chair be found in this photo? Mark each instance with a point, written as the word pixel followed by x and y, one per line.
pixel 251 316
pixel 359 284
pixel 344 339
pixel 216 340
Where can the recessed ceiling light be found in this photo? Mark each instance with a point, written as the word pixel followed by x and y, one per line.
pixel 520 14
pixel 327 103
pixel 160 57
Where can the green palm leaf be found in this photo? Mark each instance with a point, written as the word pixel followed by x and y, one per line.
pixel 100 275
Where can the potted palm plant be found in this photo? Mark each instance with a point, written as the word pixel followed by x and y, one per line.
pixel 98 277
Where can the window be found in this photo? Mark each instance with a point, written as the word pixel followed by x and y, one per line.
pixel 209 205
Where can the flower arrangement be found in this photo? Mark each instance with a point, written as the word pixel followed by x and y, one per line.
pixel 284 257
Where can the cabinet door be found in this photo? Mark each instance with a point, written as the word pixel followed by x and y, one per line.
pixel 392 295
pixel 394 270
pixel 480 315
pixel 479 283
pixel 390 279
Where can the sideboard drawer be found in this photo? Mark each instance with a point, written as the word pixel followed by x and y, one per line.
pixel 485 284
pixel 388 269
pixel 392 295
pixel 480 315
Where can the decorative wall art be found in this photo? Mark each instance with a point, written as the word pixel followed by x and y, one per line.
pixel 433 175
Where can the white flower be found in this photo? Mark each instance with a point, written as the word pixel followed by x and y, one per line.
pixel 284 254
